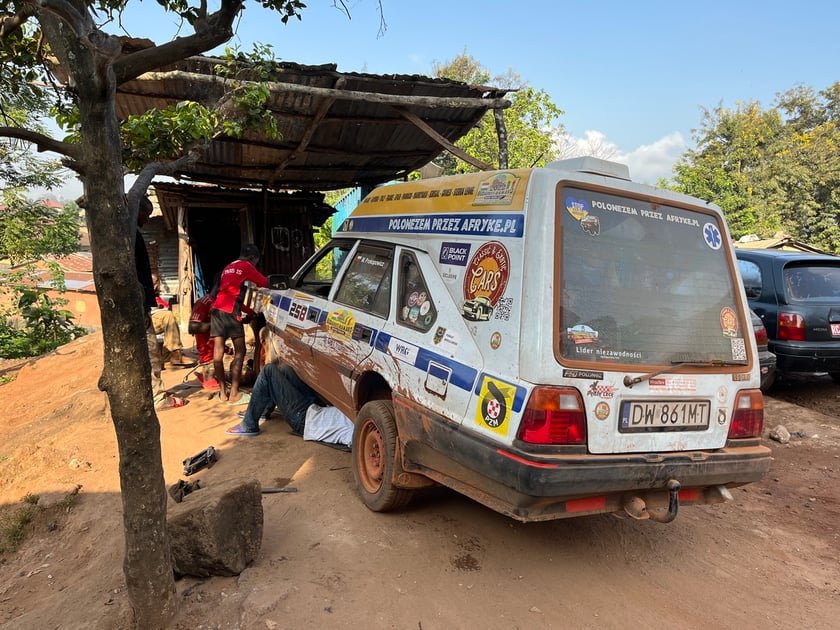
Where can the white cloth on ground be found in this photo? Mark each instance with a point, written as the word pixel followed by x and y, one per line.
pixel 327 424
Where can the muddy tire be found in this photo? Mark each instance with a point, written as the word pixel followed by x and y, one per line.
pixel 374 457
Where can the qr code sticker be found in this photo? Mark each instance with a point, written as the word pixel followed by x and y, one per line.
pixel 739 350
pixel 502 310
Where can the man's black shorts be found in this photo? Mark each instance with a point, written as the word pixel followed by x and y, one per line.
pixel 225 325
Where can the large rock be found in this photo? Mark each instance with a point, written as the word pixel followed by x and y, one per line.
pixel 217 530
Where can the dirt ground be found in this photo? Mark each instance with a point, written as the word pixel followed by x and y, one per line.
pixel 768 559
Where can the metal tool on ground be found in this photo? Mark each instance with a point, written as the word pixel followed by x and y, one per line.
pixel 199 461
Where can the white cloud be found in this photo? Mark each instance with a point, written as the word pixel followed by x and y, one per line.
pixel 648 163
pixel 651 162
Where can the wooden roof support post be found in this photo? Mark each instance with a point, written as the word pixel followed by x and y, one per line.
pixel 434 135
pixel 501 132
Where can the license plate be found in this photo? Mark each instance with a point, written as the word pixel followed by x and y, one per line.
pixel 664 415
pixel 835 330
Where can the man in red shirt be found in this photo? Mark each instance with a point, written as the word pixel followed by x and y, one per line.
pixel 226 318
pixel 199 327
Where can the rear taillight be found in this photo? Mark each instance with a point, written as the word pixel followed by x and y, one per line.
pixel 553 415
pixel 748 417
pixel 791 327
pixel 760 335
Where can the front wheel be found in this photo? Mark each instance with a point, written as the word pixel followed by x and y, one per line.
pixel 375 456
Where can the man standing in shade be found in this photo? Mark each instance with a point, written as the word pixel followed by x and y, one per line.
pixel 162 399
pixel 229 309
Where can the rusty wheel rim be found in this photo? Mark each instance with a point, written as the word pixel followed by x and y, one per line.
pixel 371 457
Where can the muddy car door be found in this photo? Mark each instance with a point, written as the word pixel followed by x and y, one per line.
pixel 351 320
pixel 433 356
pixel 300 311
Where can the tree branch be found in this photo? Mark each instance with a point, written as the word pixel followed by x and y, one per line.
pixel 211 31
pixel 64 10
pixel 145 176
pixel 42 142
pixel 12 23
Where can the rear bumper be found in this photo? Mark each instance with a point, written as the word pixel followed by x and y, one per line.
pixel 539 486
pixel 767 364
pixel 810 356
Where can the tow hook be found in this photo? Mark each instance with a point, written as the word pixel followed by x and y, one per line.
pixel 636 507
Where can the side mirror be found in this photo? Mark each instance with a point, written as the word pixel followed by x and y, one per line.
pixel 278 281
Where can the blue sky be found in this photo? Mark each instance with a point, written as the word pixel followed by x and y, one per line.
pixel 634 74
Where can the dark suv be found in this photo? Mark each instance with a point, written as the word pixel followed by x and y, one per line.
pixel 797 296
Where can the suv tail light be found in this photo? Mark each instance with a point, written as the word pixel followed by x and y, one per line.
pixel 748 416
pixel 760 335
pixel 791 326
pixel 553 415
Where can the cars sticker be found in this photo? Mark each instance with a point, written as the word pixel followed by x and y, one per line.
pixel 497 224
pixel 503 309
pixel 496 340
pixel 581 333
pixel 722 394
pixel 578 208
pixel 485 280
pixel 600 390
pixel 477 310
pixel 739 349
pixel 446 339
pixel 450 274
pixel 598 376
pixel 340 324
pixel 711 234
pixel 673 383
pixel 405 352
pixel 454 253
pixel 413 314
pixel 728 321
pixel 496 190
pixel 495 401
pixel 591 225
pixel 602 410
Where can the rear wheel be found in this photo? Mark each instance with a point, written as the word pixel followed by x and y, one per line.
pixel 375 457
pixel 835 376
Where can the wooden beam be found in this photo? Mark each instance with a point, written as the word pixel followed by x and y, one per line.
pixel 434 135
pixel 323 108
pixel 452 102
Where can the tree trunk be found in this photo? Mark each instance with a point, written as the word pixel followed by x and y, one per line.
pixel 126 375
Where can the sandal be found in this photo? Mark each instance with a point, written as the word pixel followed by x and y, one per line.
pixel 238 430
pixel 183 364
pixel 172 402
pixel 241 416
pixel 244 399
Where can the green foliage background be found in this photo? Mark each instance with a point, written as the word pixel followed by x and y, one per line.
pixel 770 170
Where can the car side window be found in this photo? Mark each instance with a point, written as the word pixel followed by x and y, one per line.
pixel 751 275
pixel 415 309
pixel 322 272
pixel 367 283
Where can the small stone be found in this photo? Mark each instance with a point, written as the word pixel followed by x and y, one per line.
pixel 780 434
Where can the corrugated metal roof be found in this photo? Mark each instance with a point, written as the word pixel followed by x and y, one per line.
pixel 338 130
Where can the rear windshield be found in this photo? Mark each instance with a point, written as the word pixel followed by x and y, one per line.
pixel 644 283
pixel 812 282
